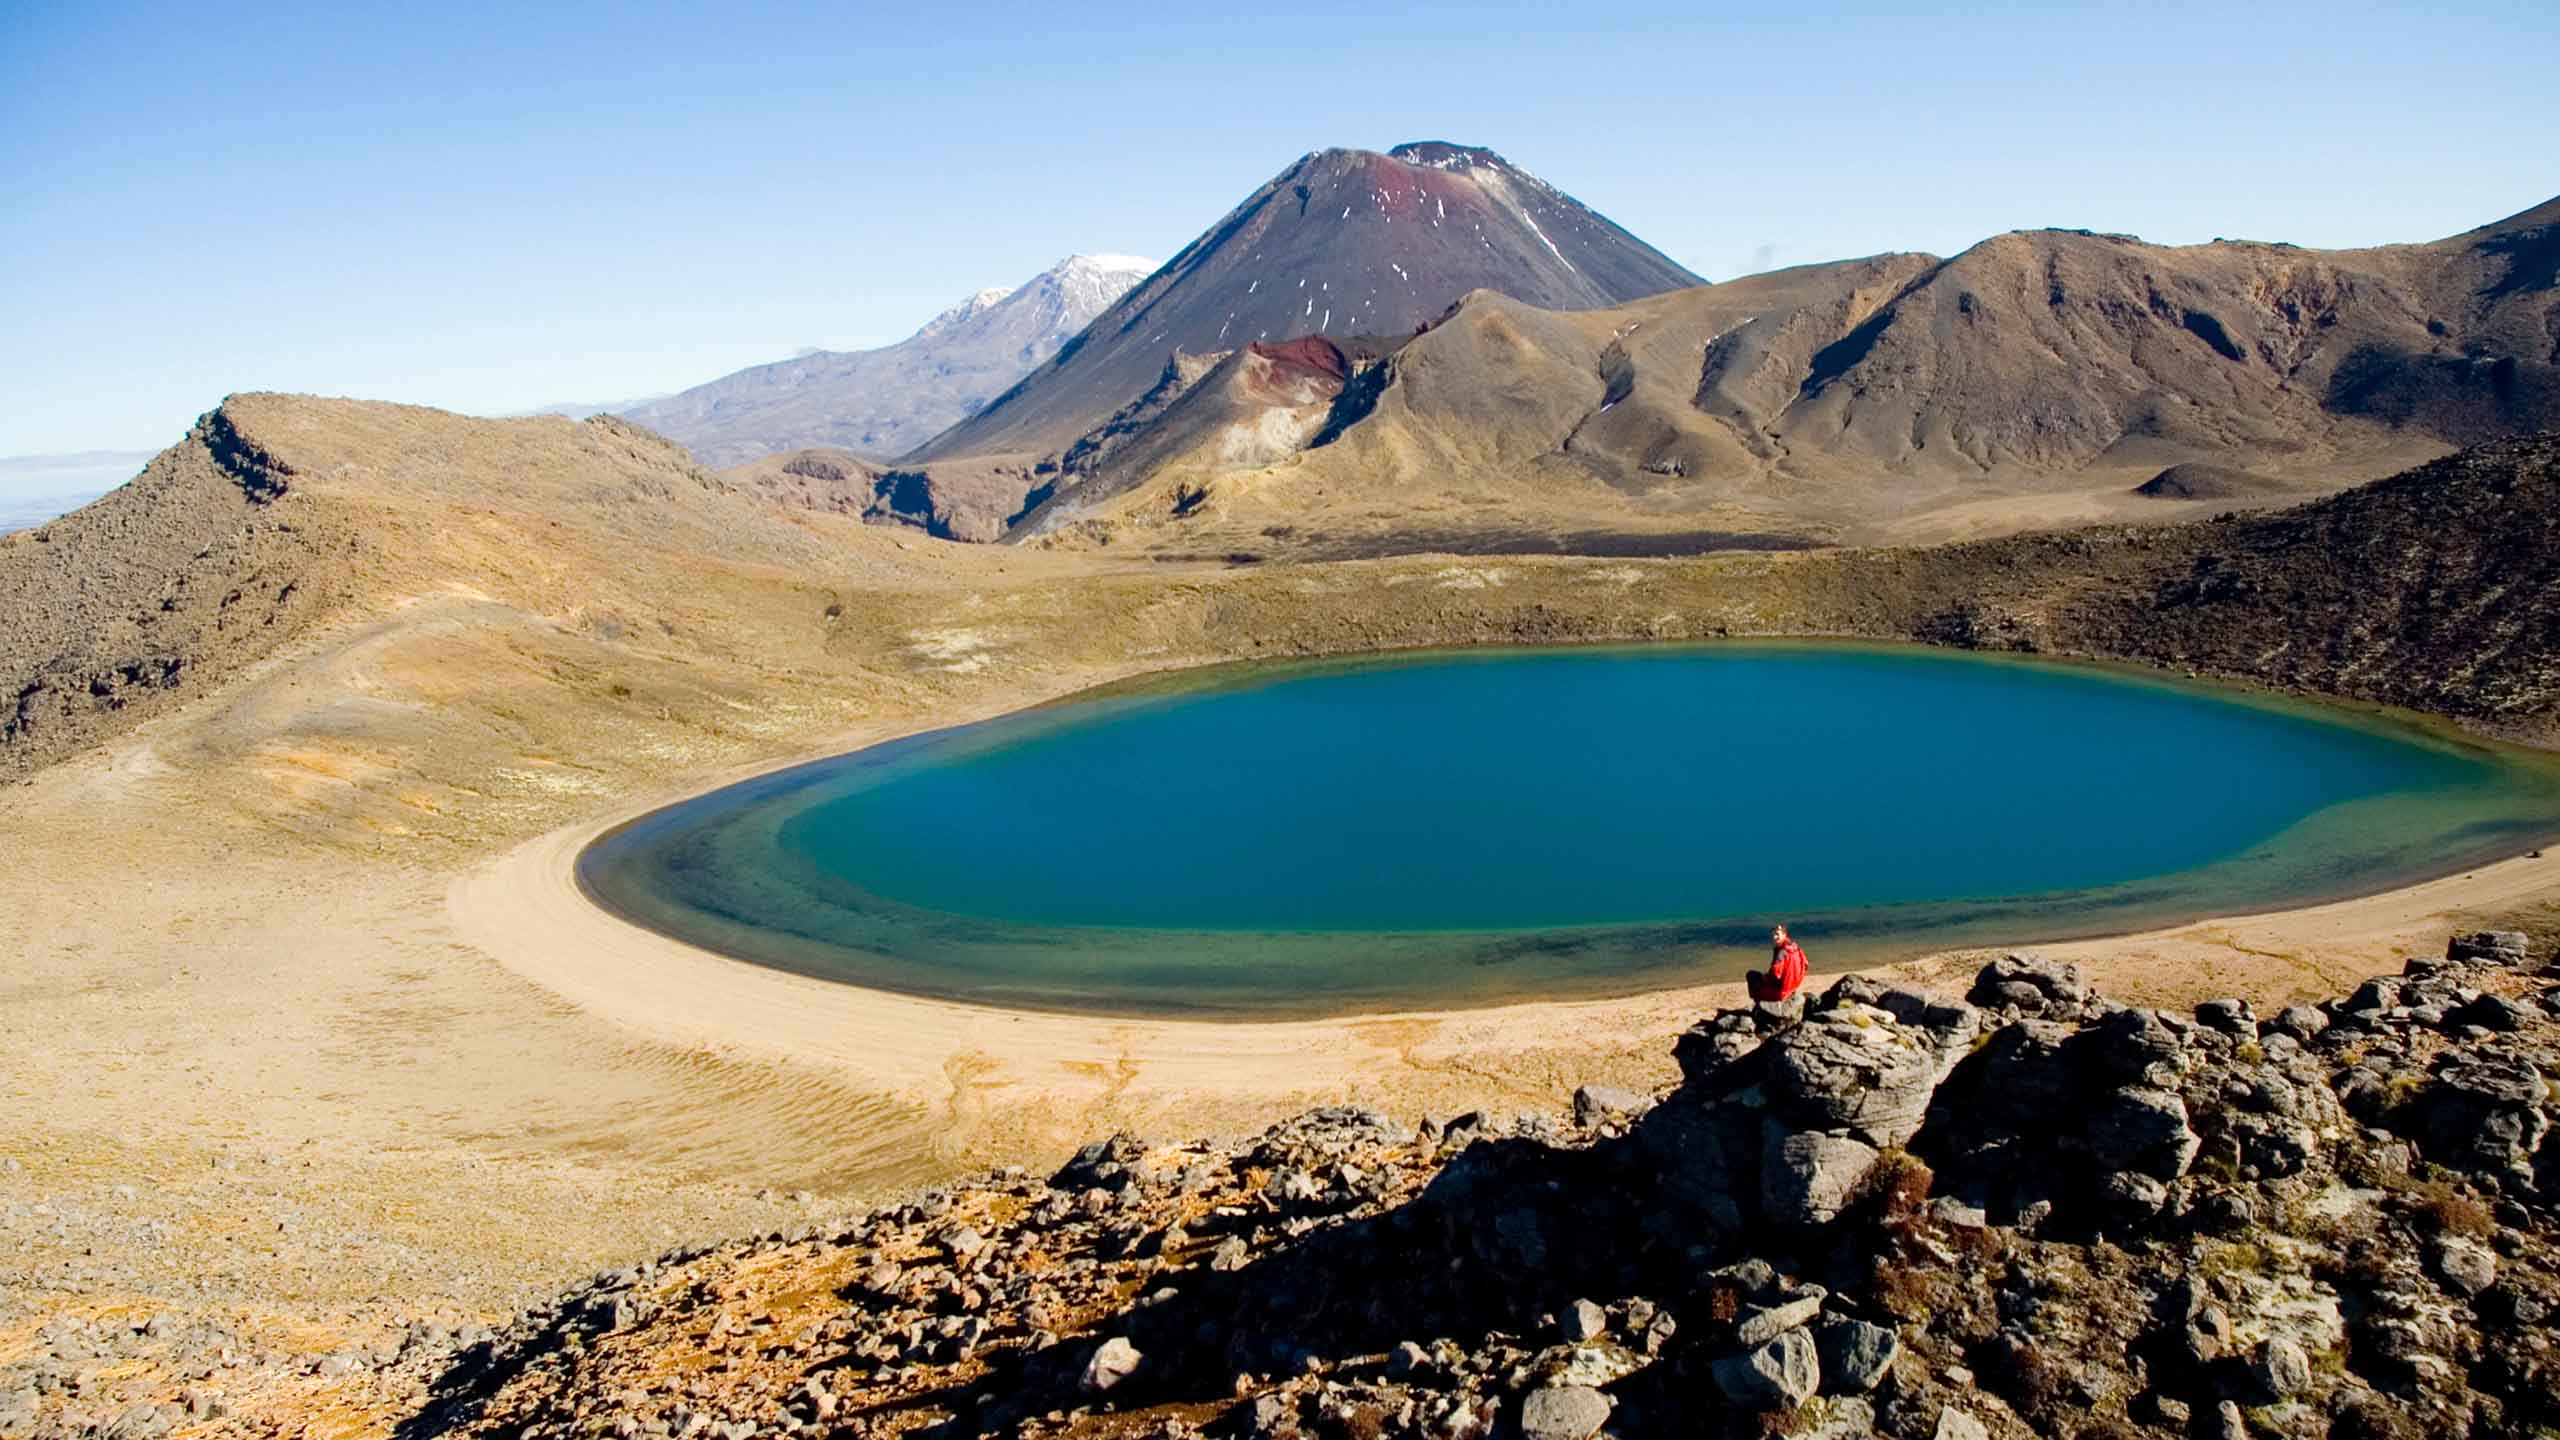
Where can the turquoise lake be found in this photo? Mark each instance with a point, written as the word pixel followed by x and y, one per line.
pixel 1465 828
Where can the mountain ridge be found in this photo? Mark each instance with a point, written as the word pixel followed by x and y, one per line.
pixel 280 513
pixel 878 403
pixel 2040 373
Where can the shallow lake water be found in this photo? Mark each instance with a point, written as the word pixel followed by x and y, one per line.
pixel 1464 828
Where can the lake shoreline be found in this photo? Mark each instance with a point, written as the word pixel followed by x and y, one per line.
pixel 990 1081
pixel 1596 962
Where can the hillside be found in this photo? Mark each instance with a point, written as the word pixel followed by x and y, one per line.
pixel 836 481
pixel 189 567
pixel 882 403
pixel 1342 244
pixel 2026 1210
pixel 278 514
pixel 2438 589
pixel 1486 427
pixel 2037 379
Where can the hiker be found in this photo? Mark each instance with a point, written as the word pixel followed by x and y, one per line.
pixel 1785 972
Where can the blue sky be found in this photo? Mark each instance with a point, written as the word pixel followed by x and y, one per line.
pixel 488 208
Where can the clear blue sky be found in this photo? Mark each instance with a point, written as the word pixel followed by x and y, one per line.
pixel 493 207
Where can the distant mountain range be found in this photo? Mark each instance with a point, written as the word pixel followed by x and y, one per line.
pixel 1428 347
pixel 882 403
pixel 581 409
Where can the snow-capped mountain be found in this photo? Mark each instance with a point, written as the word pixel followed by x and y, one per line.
pixel 1342 244
pixel 882 403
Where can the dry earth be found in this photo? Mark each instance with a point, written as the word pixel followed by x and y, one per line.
pixel 266 1074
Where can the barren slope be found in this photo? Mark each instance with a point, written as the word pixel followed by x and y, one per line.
pixel 2437 589
pixel 1343 243
pixel 836 481
pixel 2035 380
pixel 278 513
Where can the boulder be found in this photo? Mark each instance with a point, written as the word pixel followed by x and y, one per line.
pixel 1294 1189
pixel 2302 1022
pixel 1959 1424
pixel 2465 1268
pixel 1778 1014
pixel 1753 1277
pixel 2142 1130
pixel 1706 1048
pixel 2490 1012
pixel 1956 1213
pixel 2024 1079
pixel 2031 985
pixel 1585 1321
pixel 1113 1361
pixel 1101 1163
pixel 2482 1111
pixel 2230 1016
pixel 1952 1023
pixel 1855 1355
pixel 2272 1148
pixel 1758 1327
pixel 1780 1374
pixel 1808 1178
pixel 1853 1069
pixel 2131 1198
pixel 1594 1102
pixel 2135 1046
pixel 2495 947
pixel 1563 1412
pixel 1844 1417
pixel 2281 1370
pixel 1706 1155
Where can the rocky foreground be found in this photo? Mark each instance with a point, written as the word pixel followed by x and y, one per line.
pixel 2030 1211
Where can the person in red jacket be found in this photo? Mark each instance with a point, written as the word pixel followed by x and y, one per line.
pixel 1785 972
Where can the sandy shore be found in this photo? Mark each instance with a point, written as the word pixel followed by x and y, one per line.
pixel 989 1084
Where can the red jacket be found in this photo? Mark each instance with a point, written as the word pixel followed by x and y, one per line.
pixel 1786 970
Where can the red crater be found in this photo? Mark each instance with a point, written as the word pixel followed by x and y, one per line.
pixel 1310 355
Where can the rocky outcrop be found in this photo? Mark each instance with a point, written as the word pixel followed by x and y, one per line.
pixel 204 562
pixel 279 519
pixel 2034 1211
